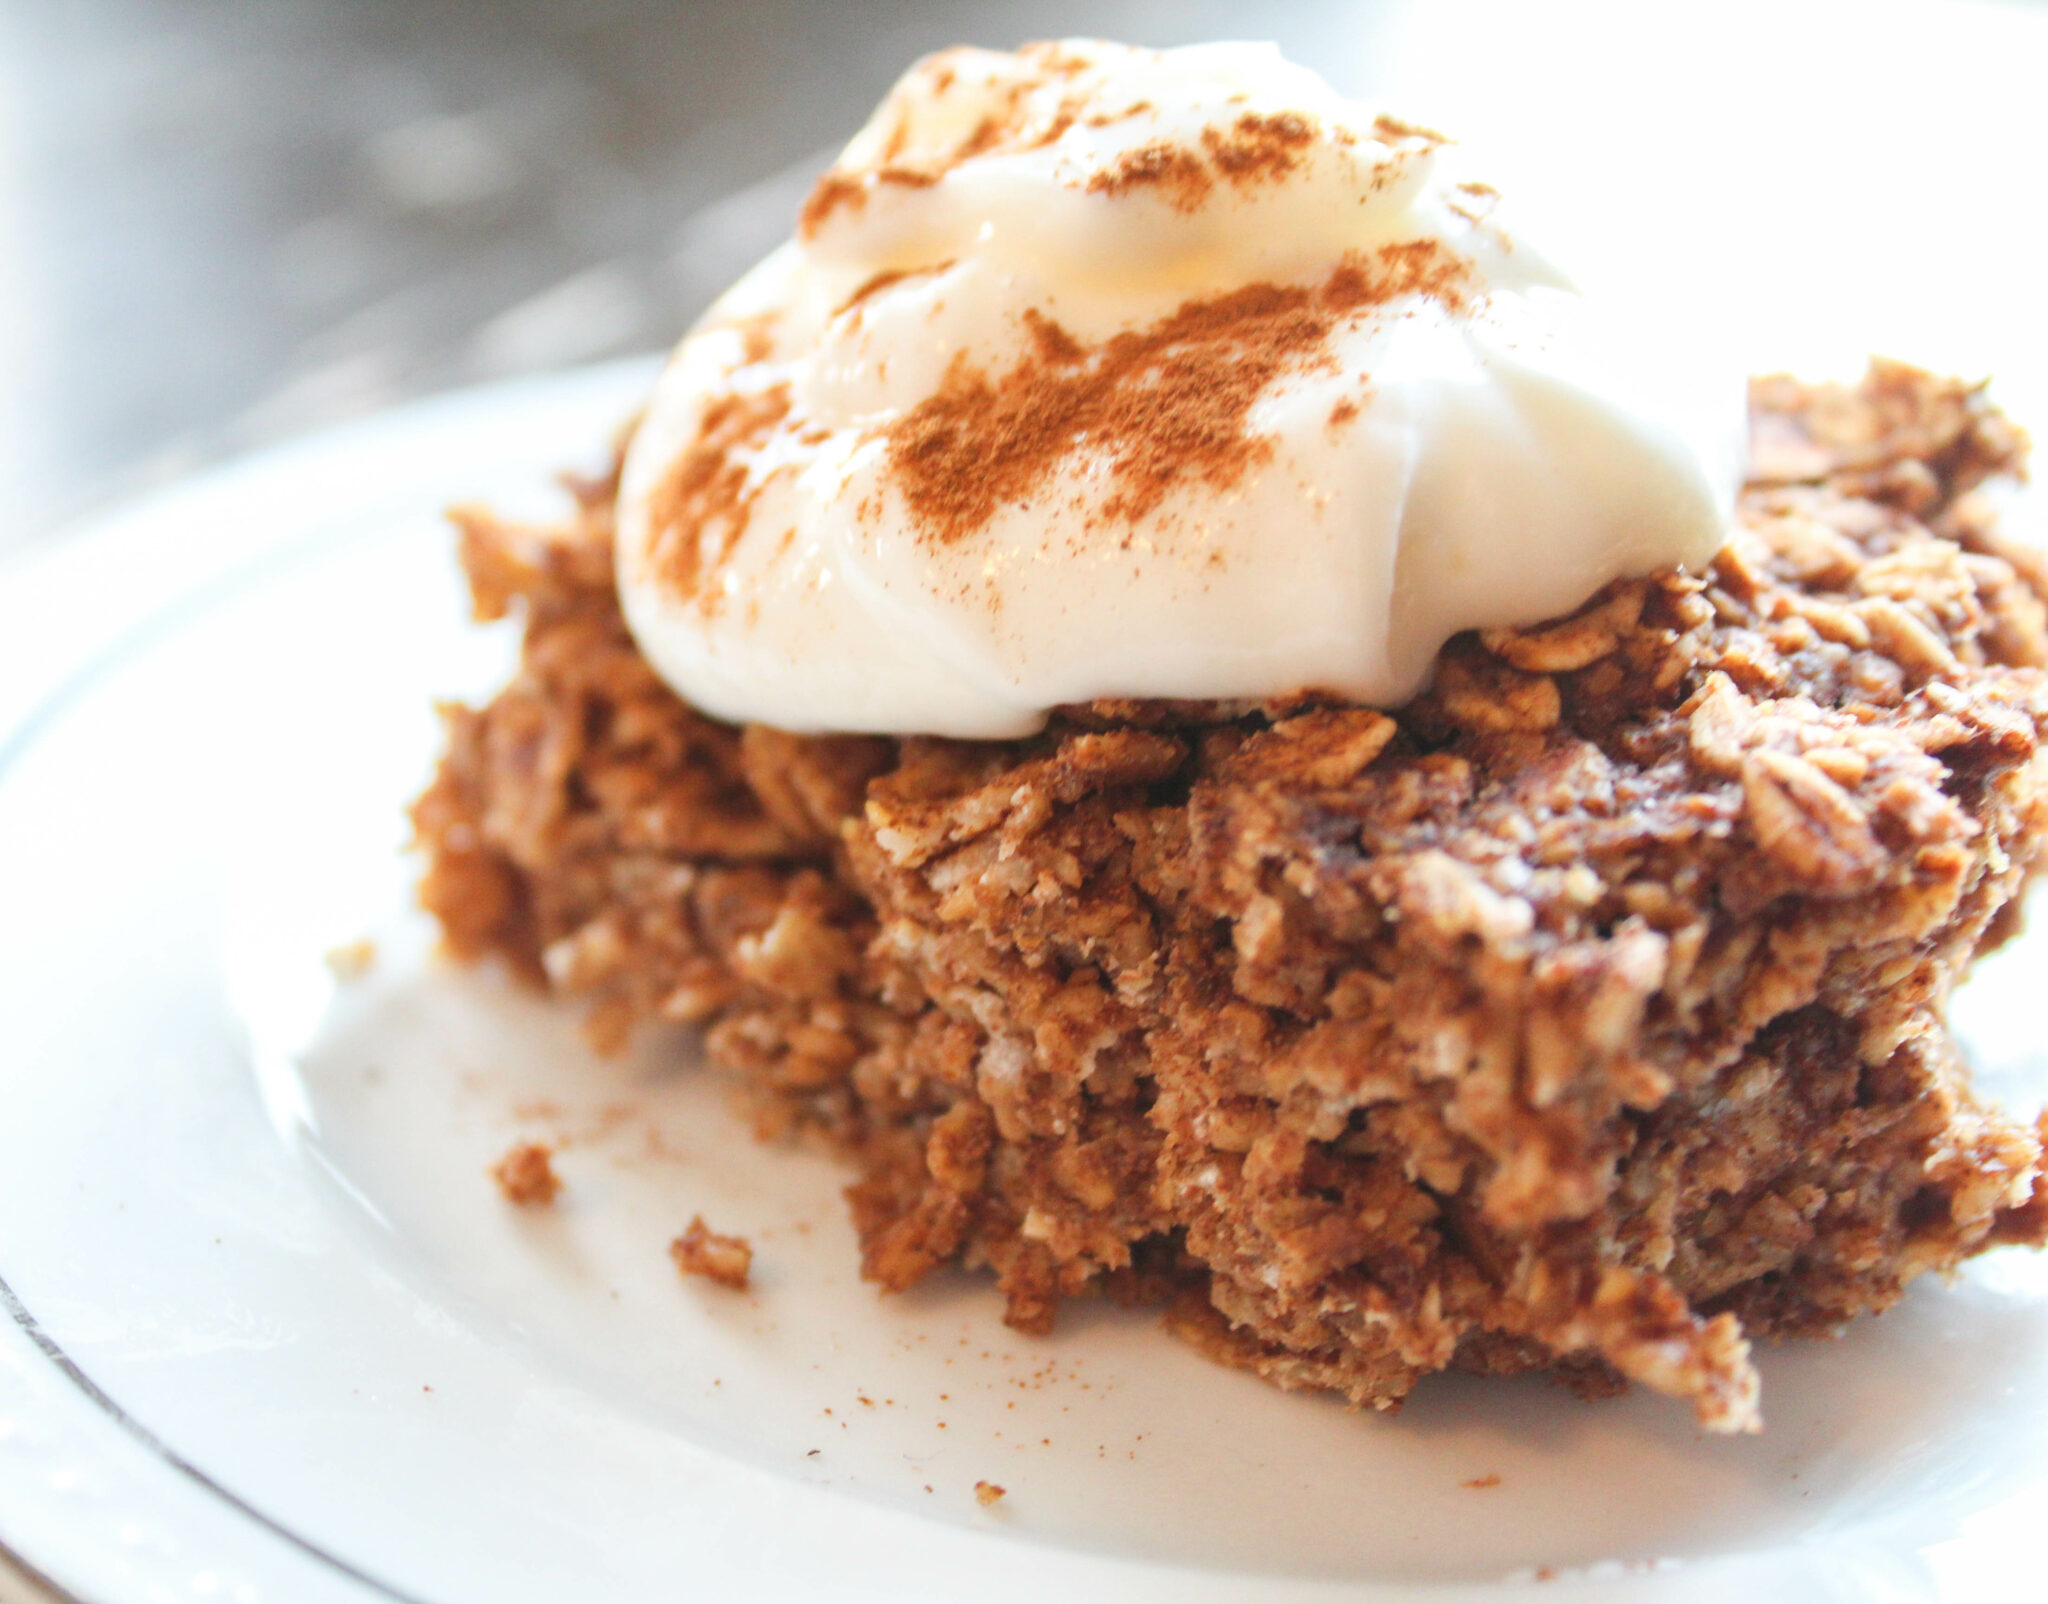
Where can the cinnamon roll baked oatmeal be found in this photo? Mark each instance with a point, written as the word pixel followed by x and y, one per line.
pixel 1572 999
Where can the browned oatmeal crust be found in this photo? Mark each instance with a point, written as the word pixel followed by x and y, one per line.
pixel 1585 1013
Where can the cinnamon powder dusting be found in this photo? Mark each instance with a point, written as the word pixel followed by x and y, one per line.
pixel 839 189
pixel 1259 148
pixel 1053 343
pixel 710 488
pixel 1256 149
pixel 1105 119
pixel 1164 406
pixel 1474 201
pixel 881 281
pixel 1392 130
pixel 1008 125
pixel 757 335
pixel 1180 176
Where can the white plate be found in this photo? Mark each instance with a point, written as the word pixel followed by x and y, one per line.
pixel 274 1335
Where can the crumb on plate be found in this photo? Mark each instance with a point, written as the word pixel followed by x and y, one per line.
pixel 700 1250
pixel 526 1175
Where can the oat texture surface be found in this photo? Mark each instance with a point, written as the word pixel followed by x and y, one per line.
pixel 1586 1013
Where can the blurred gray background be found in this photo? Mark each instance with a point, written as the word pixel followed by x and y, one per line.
pixel 223 222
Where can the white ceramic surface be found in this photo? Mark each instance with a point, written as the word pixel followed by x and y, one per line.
pixel 275 1336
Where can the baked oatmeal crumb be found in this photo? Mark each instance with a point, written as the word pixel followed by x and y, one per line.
pixel 987 1493
pixel 700 1250
pixel 1584 1015
pixel 526 1175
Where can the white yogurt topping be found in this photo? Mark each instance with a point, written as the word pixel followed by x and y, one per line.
pixel 1099 372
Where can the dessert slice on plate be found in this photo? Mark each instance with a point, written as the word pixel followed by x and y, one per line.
pixel 1165 681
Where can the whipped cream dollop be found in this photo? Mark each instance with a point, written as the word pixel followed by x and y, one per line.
pixel 1097 372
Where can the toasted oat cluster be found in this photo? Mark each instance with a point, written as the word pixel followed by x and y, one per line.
pixel 1585 1013
pixel 526 1175
pixel 726 1260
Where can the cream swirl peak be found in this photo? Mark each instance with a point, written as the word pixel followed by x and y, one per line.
pixel 1097 372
